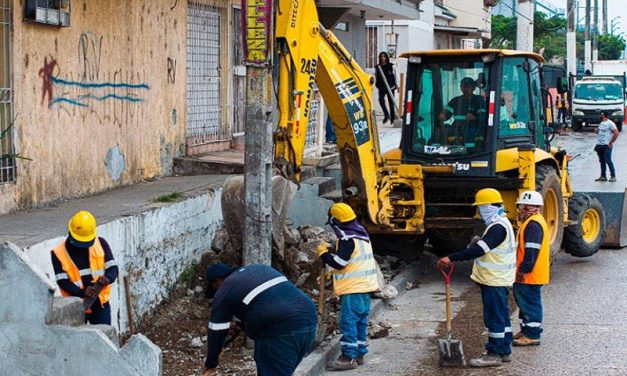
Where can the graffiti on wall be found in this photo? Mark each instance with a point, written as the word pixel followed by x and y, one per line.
pixel 86 91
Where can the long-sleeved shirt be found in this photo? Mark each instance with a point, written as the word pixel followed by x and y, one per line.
pixel 80 257
pixel 340 258
pixel 533 239
pixel 492 238
pixel 264 301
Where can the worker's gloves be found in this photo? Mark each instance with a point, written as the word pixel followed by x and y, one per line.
pixel 104 281
pixel 322 248
pixel 90 291
pixel 520 277
pixel 473 241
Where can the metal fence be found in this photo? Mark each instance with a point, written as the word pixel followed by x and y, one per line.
pixel 7 147
pixel 204 117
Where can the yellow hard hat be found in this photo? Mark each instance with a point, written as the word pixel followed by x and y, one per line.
pixel 342 212
pixel 488 196
pixel 82 226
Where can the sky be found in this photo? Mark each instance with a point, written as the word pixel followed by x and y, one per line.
pixel 614 8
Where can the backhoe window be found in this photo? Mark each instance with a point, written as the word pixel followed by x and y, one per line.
pixel 514 107
pixel 449 109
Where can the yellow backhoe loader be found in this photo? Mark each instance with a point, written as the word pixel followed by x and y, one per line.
pixel 472 119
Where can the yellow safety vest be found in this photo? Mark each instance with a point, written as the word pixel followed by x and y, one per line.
pixel 360 274
pixel 498 266
pixel 540 273
pixel 96 268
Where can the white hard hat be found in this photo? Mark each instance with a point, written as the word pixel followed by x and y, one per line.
pixel 530 198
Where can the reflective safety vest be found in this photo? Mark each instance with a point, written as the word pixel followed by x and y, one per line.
pixel 540 273
pixel 498 266
pixel 96 268
pixel 562 101
pixel 360 274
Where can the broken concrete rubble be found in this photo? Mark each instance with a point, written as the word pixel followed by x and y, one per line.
pixel 379 329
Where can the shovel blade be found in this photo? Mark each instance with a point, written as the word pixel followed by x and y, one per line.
pixel 451 353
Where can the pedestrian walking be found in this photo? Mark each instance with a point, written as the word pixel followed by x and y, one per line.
pixel 607 133
pixel 279 317
pixel 532 268
pixel 494 270
pixel 390 77
pixel 354 278
pixel 561 102
pixel 84 267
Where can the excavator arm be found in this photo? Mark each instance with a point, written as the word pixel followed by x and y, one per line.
pixel 310 56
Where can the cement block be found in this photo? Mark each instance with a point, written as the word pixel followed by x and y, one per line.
pixel 109 331
pixel 334 171
pixel 67 311
pixel 324 184
pixel 143 355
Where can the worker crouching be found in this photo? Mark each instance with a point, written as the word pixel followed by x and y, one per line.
pixel 494 271
pixel 354 279
pixel 279 317
pixel 84 267
pixel 533 262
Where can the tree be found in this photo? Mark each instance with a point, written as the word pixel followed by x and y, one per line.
pixel 611 47
pixel 503 32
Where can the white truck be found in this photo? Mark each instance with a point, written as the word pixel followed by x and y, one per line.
pixel 592 94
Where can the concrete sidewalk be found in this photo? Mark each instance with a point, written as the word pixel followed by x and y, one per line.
pixel 29 227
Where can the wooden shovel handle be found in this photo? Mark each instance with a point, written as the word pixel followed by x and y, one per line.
pixel 448 307
pixel 322 286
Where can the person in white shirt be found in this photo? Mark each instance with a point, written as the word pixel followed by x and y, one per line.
pixel 607 133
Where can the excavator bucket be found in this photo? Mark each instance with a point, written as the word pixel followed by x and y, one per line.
pixel 233 208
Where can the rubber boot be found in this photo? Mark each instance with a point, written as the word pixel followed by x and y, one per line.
pixel 486 360
pixel 342 363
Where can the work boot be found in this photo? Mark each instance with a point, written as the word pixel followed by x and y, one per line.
pixel 601 178
pixel 360 360
pixel 506 358
pixel 518 335
pixel 526 341
pixel 385 119
pixel 342 363
pixel 612 179
pixel 486 360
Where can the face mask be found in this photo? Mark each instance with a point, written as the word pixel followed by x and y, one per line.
pixel 489 213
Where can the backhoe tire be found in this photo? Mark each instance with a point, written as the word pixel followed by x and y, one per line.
pixel 447 241
pixel 587 233
pixel 619 126
pixel 548 184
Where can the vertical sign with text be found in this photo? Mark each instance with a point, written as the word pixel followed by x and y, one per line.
pixel 257 21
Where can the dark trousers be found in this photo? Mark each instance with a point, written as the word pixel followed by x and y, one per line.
pixel 279 356
pixel 354 312
pixel 605 159
pixel 100 314
pixel 561 115
pixel 496 319
pixel 329 132
pixel 529 301
pixel 391 114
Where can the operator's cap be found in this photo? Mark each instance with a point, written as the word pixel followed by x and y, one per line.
pixel 216 271
pixel 468 81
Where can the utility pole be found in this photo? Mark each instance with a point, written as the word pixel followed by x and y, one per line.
pixel 604 18
pixel 586 36
pixel 571 42
pixel 595 31
pixel 258 39
pixel 524 25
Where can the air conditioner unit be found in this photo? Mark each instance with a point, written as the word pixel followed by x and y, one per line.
pixel 51 12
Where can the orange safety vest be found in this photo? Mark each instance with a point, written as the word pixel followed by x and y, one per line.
pixel 96 268
pixel 540 273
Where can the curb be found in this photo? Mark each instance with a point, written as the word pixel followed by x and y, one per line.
pixel 314 363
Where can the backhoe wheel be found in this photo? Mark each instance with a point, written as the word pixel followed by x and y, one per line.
pixel 548 184
pixel 587 233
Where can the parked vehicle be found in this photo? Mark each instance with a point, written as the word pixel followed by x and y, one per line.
pixel 593 94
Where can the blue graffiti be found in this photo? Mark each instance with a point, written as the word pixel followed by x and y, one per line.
pixel 129 92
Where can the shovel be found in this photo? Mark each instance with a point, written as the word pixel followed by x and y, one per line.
pixel 451 350
pixel 321 333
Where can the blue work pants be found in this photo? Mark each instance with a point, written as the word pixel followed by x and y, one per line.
pixel 279 356
pixel 100 314
pixel 605 158
pixel 529 301
pixel 496 319
pixel 354 311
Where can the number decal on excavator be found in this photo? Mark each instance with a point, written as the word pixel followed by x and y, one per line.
pixel 308 66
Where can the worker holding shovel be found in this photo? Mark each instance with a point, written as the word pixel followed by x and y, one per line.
pixel 494 270
pixel 354 279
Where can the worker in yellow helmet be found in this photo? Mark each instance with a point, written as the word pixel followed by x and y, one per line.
pixel 494 270
pixel 354 278
pixel 84 267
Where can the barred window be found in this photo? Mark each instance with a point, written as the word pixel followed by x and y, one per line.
pixel 7 147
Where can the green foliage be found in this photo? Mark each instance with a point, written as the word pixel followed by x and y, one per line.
pixel 550 34
pixel 503 32
pixel 611 47
pixel 3 133
pixel 171 197
pixel 188 276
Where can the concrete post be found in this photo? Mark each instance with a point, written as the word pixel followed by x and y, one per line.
pixel 595 31
pixel 258 139
pixel 571 43
pixel 524 25
pixel 604 18
pixel 587 42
